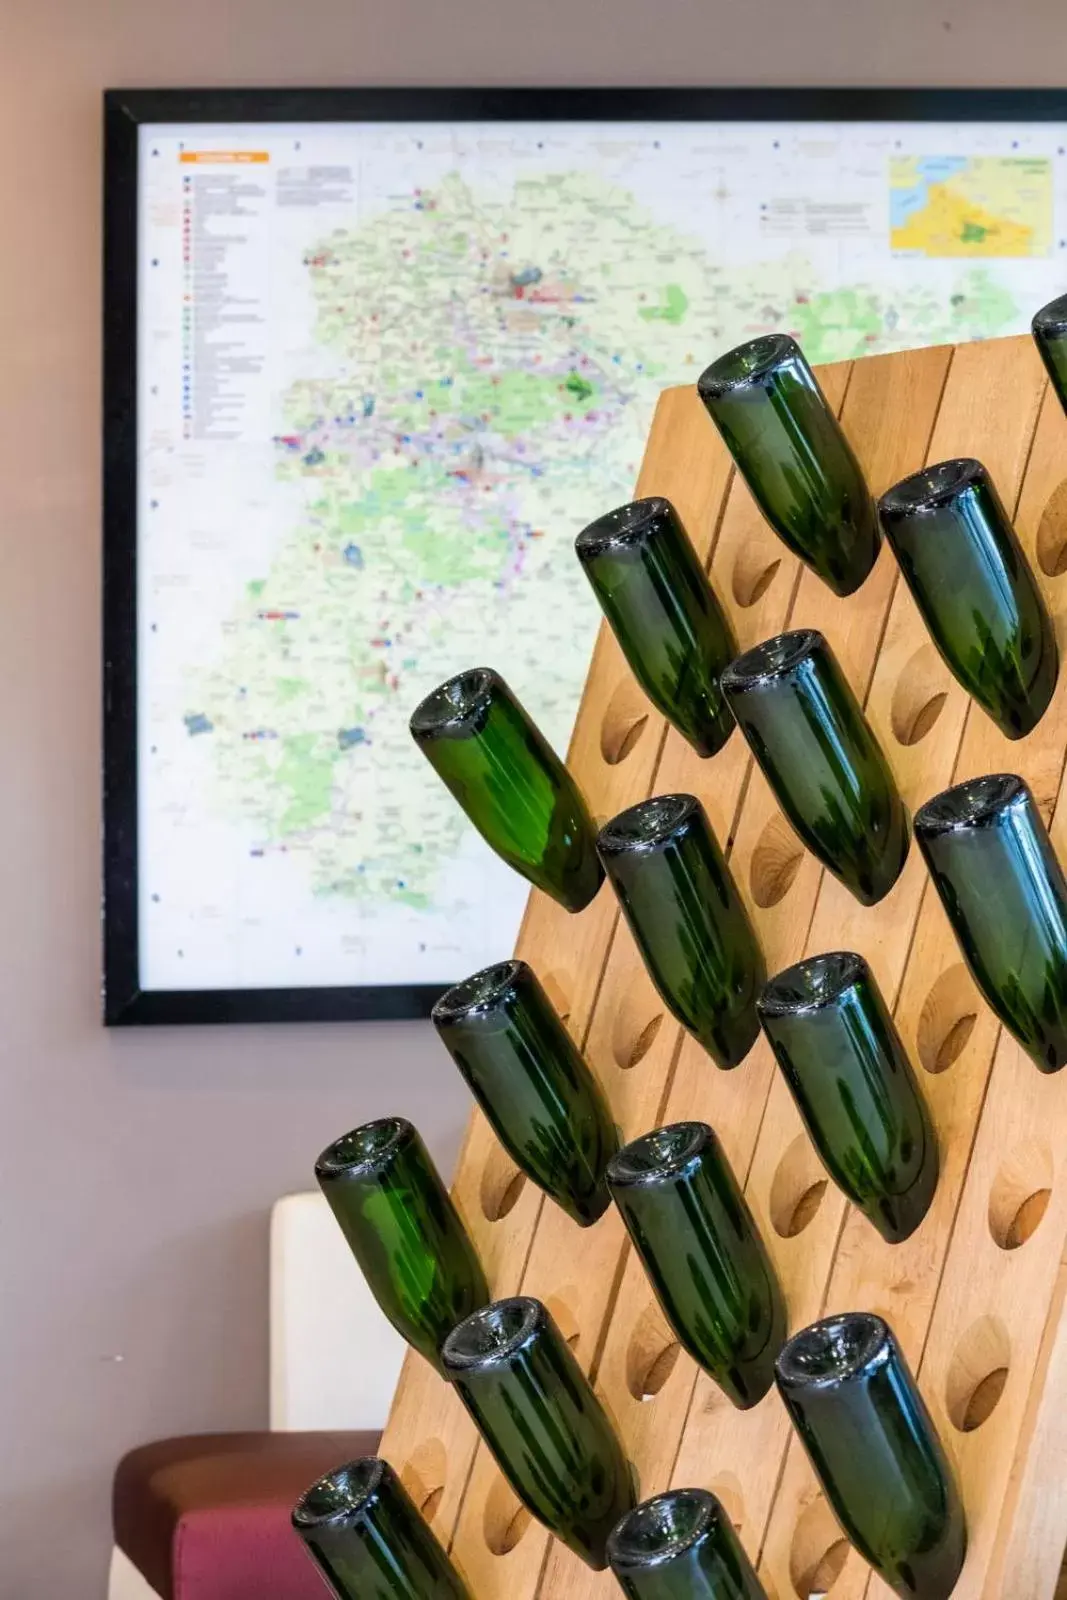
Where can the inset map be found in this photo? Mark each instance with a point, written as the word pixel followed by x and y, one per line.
pixel 986 206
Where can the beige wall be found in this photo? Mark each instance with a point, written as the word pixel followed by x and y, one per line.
pixel 136 1169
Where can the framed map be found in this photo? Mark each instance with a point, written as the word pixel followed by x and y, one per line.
pixel 372 359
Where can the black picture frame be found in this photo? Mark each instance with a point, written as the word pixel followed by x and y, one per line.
pixel 125 1002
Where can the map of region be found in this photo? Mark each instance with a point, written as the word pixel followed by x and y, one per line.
pixel 971 205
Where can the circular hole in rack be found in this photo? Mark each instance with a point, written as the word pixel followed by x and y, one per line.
pixel 947 1019
pixel 424 1477
pixel 728 1490
pixel 558 1307
pixel 625 720
pixel 797 1189
pixel 502 1184
pixel 1052 533
pixel 506 1519
pixel 754 571
pixel 776 861
pixel 818 1551
pixel 652 1355
pixel 977 1374
pixel 637 1023
pixel 1020 1194
pixel 919 697
pixel 557 986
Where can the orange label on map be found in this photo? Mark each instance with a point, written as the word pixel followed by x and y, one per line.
pixel 226 156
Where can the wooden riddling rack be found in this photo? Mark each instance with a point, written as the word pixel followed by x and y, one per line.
pixel 976 1294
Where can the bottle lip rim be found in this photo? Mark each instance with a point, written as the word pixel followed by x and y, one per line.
pixel 627 527
pixel 840 1349
pixel 622 1549
pixel 812 985
pixel 482 993
pixel 974 804
pixel 773 660
pixel 932 488
pixel 373 1473
pixel 377 1143
pixel 1052 318
pixel 649 826
pixel 457 706
pixel 528 1316
pixel 663 1153
pixel 748 365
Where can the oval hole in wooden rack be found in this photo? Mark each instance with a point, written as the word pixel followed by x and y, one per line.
pixel 776 860
pixel 637 1024
pixel 652 1355
pixel 947 1019
pixel 818 1551
pixel 506 1519
pixel 919 697
pixel 754 571
pixel 797 1189
pixel 625 721
pixel 557 986
pixel 559 1308
pixel 977 1374
pixel 502 1184
pixel 1052 533
pixel 1020 1194
pixel 424 1477
pixel 728 1490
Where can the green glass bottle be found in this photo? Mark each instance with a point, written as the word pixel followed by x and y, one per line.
pixel 868 1434
pixel 992 862
pixel 664 613
pixel 854 1087
pixel 688 920
pixel 548 1432
pixel 511 784
pixel 703 1255
pixel 806 729
pixel 1049 329
pixel 966 569
pixel 404 1231
pixel 681 1546
pixel 528 1076
pixel 363 1532
pixel 789 448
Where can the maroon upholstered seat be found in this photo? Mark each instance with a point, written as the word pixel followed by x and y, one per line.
pixel 207 1517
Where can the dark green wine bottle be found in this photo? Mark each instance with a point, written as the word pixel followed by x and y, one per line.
pixel 868 1434
pixel 547 1431
pixel 1049 329
pixel 966 569
pixel 681 1546
pixel 853 1084
pixel 361 1529
pixel 789 448
pixel 664 613
pixel 688 920
pixel 511 784
pixel 703 1255
pixel 805 727
pixel 528 1076
pixel 1003 889
pixel 404 1231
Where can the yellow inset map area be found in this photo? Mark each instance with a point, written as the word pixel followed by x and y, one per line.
pixel 970 205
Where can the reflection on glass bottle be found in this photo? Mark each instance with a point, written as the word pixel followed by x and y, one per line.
pixel 547 1431
pixel 404 1231
pixel 789 448
pixel 703 1254
pixel 815 747
pixel 664 613
pixel 1049 328
pixel 688 920
pixel 681 1546
pixel 993 865
pixel 868 1434
pixel 529 1078
pixel 854 1087
pixel 363 1532
pixel 511 784
pixel 966 569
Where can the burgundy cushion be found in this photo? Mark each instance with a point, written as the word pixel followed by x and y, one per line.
pixel 207 1517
